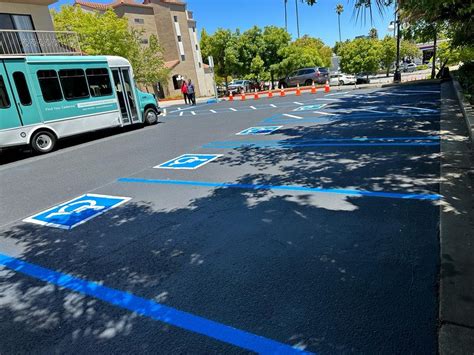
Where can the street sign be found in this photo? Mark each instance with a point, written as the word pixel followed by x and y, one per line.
pixel 77 211
pixel 188 161
pixel 310 107
pixel 258 130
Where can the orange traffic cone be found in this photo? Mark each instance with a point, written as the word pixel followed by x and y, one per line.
pixel 326 87
pixel 242 95
pixel 270 94
pixel 313 88
pixel 282 92
pixel 298 91
pixel 231 96
pixel 255 96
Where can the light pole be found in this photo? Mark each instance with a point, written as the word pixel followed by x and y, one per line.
pixel 286 15
pixel 397 76
pixel 297 19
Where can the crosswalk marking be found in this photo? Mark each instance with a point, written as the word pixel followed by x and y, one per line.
pixel 213 111
pixel 297 103
pixel 292 116
pixel 253 107
pixel 193 113
pixel 232 109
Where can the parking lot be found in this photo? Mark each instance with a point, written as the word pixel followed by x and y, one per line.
pixel 315 232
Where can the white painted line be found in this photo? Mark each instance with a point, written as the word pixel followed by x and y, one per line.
pixel 193 113
pixel 182 109
pixel 164 112
pixel 253 107
pixel 423 91
pixel 297 103
pixel 416 108
pixel 327 99
pixel 292 116
pixel 179 108
pixel 325 113
pixel 181 113
pixel 213 111
pixel 337 93
pixel 272 105
pixel 232 109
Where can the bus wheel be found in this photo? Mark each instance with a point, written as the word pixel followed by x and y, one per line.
pixel 151 117
pixel 43 142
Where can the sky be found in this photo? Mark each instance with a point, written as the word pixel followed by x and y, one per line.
pixel 320 20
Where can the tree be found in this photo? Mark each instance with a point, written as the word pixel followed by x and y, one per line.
pixel 274 39
pixel 360 55
pixel 339 11
pixel 324 52
pixel 107 34
pixel 388 53
pixel 249 45
pixel 373 33
pixel 222 46
pixel 295 57
pixel 257 68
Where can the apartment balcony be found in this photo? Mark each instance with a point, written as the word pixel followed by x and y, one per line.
pixel 25 42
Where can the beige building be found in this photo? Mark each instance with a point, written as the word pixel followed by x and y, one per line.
pixel 25 15
pixel 175 28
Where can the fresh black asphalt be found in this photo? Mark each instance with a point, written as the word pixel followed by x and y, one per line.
pixel 322 271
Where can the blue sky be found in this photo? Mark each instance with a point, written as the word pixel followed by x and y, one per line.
pixel 319 20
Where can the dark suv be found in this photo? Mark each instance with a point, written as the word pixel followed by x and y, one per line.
pixel 306 76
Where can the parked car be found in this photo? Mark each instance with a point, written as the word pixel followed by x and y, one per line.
pixel 305 76
pixel 363 78
pixel 409 67
pixel 238 86
pixel 342 79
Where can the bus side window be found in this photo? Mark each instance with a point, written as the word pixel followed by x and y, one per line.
pixel 74 84
pixel 4 100
pixel 49 84
pixel 99 82
pixel 22 88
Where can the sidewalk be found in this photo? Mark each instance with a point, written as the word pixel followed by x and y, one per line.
pixel 456 309
pixel 180 102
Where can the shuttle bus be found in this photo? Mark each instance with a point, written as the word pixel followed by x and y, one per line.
pixel 46 98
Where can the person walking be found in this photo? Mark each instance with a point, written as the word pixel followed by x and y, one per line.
pixel 191 93
pixel 184 91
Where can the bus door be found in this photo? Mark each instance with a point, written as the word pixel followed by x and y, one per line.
pixel 21 90
pixel 125 95
pixel 9 113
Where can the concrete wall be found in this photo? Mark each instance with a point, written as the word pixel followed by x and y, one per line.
pixel 39 14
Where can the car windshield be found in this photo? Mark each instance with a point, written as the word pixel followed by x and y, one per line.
pixel 238 82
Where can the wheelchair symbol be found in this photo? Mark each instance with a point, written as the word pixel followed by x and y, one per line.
pixel 187 160
pixel 81 206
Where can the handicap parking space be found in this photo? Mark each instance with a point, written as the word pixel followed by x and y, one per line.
pixel 313 235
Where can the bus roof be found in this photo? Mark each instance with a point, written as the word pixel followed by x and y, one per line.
pixel 113 61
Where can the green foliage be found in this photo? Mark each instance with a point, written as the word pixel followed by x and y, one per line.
pixel 275 39
pixel 465 75
pixel 388 52
pixel 295 57
pixel 373 33
pixel 360 55
pixel 107 34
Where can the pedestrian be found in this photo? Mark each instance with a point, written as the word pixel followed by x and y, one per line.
pixel 191 93
pixel 184 91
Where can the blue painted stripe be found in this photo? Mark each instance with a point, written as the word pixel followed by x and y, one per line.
pixel 285 188
pixel 365 139
pixel 152 309
pixel 304 144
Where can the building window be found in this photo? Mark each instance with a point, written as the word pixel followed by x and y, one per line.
pixel 74 84
pixel 99 82
pixel 139 20
pixel 177 81
pixel 199 64
pixel 197 47
pixel 194 29
pixel 183 57
pixel 19 42
pixel 49 85
pixel 4 100
pixel 179 39
pixel 175 18
pixel 22 88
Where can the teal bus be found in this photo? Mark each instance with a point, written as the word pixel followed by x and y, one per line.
pixel 46 98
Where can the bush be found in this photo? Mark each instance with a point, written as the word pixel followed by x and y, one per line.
pixel 465 75
pixel 422 67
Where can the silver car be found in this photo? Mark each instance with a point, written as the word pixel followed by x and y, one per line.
pixel 306 76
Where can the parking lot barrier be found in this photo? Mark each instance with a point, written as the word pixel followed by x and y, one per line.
pixel 231 96
pixel 256 96
pixel 326 87
pixel 270 94
pixel 282 91
pixel 298 90
pixel 313 88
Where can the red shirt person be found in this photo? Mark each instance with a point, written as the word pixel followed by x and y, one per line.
pixel 184 91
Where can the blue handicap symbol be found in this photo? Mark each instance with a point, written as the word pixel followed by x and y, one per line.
pixel 77 211
pixel 309 107
pixel 188 161
pixel 259 130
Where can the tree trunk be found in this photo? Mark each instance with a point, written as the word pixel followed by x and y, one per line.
pixel 272 78
pixel 388 72
pixel 435 40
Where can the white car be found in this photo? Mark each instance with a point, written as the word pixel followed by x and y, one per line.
pixel 342 79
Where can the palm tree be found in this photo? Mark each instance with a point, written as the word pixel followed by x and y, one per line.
pixel 339 11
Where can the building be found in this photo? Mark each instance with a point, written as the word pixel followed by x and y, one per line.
pixel 175 28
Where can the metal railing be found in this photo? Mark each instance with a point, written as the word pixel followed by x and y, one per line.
pixel 21 42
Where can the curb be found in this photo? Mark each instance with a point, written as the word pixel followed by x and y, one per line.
pixel 456 269
pixel 466 108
